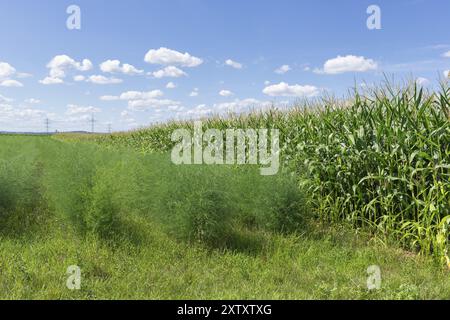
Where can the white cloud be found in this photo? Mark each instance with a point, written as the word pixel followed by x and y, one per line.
pixel 446 54
pixel 171 85
pixel 109 98
pixel 422 81
pixel 50 80
pixel 285 90
pixel 59 66
pixel 125 113
pixel 98 79
pixel 447 73
pixel 226 93
pixel 194 93
pixel 141 105
pixel 134 95
pixel 283 69
pixel 6 70
pixel 33 101
pixel 142 100
pixel 166 56
pixel 266 83
pixel 11 83
pixel 236 106
pixel 5 99
pixel 176 108
pixel 113 66
pixel 9 114
pixel 77 110
pixel 233 64
pixel 348 63
pixel 169 72
pixel 199 111
pixel 138 95
pixel 242 105
pixel 79 78
pixel 21 75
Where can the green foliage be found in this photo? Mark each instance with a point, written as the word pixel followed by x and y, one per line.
pixel 89 188
pixel 215 204
pixel 20 186
pixel 96 191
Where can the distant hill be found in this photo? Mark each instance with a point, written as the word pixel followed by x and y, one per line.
pixel 40 133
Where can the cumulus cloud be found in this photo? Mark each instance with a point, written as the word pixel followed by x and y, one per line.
pixel 243 105
pixel 165 56
pixel 447 73
pixel 283 89
pixel 99 79
pixel 233 64
pixel 109 98
pixel 226 93
pixel 199 111
pixel 22 75
pixel 60 65
pixel 50 80
pixel 236 106
pixel 142 105
pixel 138 95
pixel 33 101
pixel 6 70
pixel 11 83
pixel 349 63
pixel 171 85
pixel 142 100
pixel 446 54
pixel 5 99
pixel 125 113
pixel 194 93
pixel 176 108
pixel 73 109
pixel 10 114
pixel 134 95
pixel 79 78
pixel 169 72
pixel 114 66
pixel 283 69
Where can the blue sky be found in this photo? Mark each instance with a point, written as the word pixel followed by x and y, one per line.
pixel 323 46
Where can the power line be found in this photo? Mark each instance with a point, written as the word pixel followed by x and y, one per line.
pixel 47 124
pixel 93 121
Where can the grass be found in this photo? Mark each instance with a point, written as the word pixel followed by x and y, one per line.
pixel 119 217
pixel 161 268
